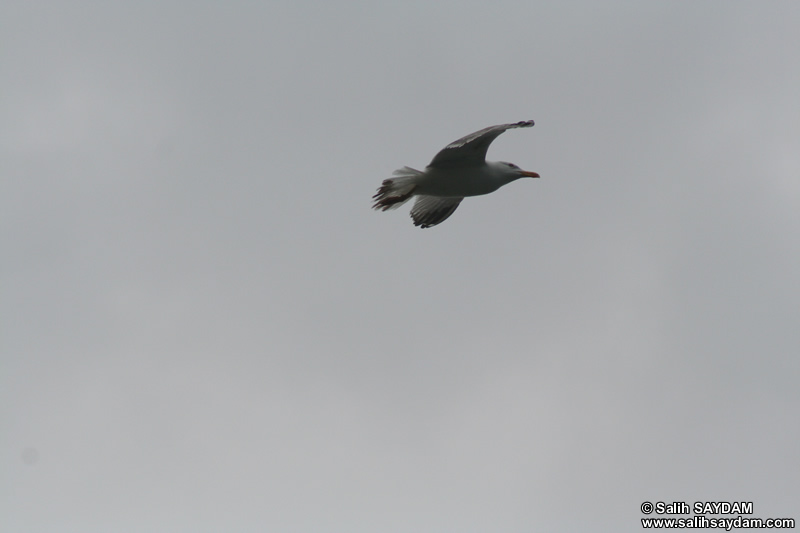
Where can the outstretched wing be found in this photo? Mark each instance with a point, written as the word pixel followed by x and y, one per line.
pixel 472 148
pixel 431 210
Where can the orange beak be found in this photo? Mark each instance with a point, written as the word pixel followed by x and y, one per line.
pixel 529 174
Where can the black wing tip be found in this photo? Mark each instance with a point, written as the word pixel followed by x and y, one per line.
pixel 525 123
pixel 425 224
pixel 429 219
pixel 384 198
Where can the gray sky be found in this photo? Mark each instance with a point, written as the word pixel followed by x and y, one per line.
pixel 205 327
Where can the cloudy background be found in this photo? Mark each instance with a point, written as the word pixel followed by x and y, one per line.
pixel 206 328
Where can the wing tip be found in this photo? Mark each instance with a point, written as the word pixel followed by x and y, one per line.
pixel 429 211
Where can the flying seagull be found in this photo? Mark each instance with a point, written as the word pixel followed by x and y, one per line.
pixel 459 170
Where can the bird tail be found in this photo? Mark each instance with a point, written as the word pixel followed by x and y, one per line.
pixel 397 190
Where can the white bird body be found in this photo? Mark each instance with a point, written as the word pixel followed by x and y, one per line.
pixel 472 180
pixel 457 171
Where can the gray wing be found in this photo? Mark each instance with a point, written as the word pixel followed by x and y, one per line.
pixel 472 148
pixel 431 210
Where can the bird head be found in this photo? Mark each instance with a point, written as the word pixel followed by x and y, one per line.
pixel 516 172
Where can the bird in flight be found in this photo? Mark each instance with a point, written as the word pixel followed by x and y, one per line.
pixel 458 171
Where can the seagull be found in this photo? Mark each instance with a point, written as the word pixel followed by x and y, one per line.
pixel 458 171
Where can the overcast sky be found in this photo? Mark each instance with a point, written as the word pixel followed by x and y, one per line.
pixel 206 328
